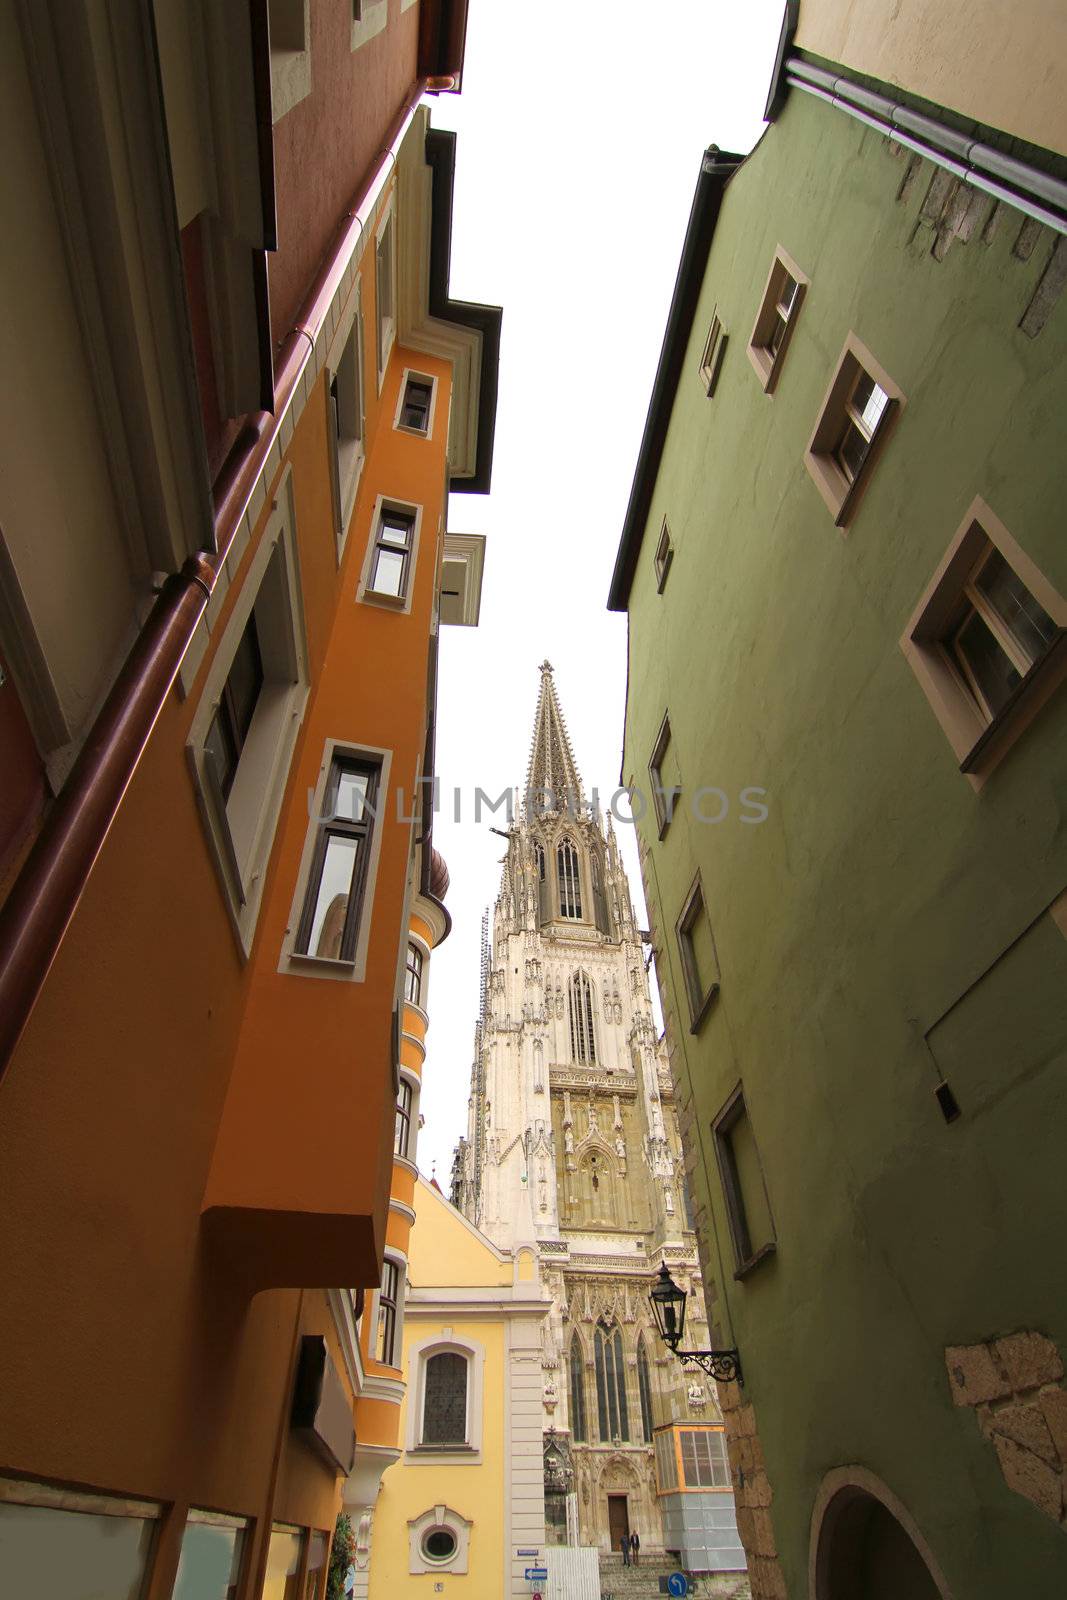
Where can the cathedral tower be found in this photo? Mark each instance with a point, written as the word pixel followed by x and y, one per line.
pixel 573 1143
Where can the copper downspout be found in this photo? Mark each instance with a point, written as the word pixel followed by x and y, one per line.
pixel 45 895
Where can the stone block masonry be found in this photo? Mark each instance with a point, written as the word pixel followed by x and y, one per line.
pixel 1014 1387
pixel 753 1495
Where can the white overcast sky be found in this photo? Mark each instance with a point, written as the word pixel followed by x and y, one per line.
pixel 580 132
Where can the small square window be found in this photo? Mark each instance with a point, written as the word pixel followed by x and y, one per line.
pixel 776 319
pixel 986 641
pixel 711 360
pixel 414 413
pixel 747 1206
pixel 856 418
pixel 664 556
pixel 663 771
pixel 700 964
pixel 389 574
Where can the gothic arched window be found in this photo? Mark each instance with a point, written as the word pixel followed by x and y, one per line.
pixel 612 1414
pixel 539 856
pixel 583 1039
pixel 570 884
pixel 644 1389
pixel 577 1392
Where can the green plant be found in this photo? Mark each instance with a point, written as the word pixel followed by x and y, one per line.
pixel 342 1555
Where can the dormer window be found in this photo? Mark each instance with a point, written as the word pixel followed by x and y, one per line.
pixel 570 884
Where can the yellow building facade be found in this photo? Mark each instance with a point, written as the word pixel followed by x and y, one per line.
pixel 461 1510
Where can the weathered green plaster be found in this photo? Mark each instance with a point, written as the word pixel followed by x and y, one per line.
pixel 881 886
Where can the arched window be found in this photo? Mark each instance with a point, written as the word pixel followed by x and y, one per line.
pixel 577 1392
pixel 444 1403
pixel 583 1039
pixel 644 1390
pixel 612 1414
pixel 570 883
pixel 539 856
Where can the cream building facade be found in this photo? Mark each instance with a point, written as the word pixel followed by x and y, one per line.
pixel 572 1123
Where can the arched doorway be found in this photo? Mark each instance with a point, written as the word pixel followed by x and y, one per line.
pixel 866 1546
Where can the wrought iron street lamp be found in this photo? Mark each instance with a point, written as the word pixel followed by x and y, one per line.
pixel 668 1308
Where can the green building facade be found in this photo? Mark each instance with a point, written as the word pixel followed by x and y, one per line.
pixel 843 565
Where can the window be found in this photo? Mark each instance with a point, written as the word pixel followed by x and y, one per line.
pixel 438 1541
pixel 318 1549
pixel 229 726
pixel 711 360
pixel 385 291
pixel 704 1460
pixel 583 1039
pixel 402 1134
pixel 392 553
pixel 700 965
pixel 666 1462
pixel 663 770
pixel 644 1390
pixel 747 1206
pixel 413 974
pixel 856 418
pixel 577 1391
pixel 612 1414
pixel 346 423
pixel 570 886
pixel 385 1339
pixel 78 1546
pixel 600 899
pixel 282 1581
pixel 444 1404
pixel 369 18
pixel 986 641
pixel 329 924
pixel 245 727
pixel 210 1560
pixel 415 410
pixel 289 23
pixel 776 319
pixel 664 556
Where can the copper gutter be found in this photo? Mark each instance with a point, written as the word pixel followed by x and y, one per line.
pixel 45 895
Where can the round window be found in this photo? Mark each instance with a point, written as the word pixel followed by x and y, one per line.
pixel 439 1544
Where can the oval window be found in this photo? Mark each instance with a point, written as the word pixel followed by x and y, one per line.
pixel 439 1544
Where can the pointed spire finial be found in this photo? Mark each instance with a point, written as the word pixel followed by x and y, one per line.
pixel 552 770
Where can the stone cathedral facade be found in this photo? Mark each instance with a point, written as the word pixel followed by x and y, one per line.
pixel 572 1106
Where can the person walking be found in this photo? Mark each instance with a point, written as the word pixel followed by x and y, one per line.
pixel 635 1548
pixel 624 1546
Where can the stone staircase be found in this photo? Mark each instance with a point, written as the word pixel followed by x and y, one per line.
pixel 642 1582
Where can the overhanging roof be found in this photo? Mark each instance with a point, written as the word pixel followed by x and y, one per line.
pixel 716 169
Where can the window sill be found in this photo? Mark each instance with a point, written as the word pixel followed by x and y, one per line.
pixel 300 958
pixel 416 433
pixel 702 1015
pixel 764 1253
pixel 453 1455
pixel 394 602
pixel 661 581
pixel 765 365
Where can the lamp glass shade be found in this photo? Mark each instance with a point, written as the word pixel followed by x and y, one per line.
pixel 668 1308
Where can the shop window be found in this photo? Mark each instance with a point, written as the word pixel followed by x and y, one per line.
pixel 76 1546
pixel 284 1552
pixel 213 1547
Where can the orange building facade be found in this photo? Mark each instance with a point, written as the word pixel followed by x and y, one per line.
pixel 210 900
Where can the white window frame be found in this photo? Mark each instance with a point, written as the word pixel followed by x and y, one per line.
pixel 241 829
pixel 439 1516
pixel 414 1082
pixel 347 455
pixel 418 1006
pixel 365 594
pixel 369 18
pixel 290 67
pixel 385 326
pixel 400 1262
pixel 420 377
pixel 445 1341
pixel 308 966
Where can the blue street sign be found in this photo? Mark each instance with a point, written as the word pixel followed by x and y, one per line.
pixel 538 1574
pixel 678 1583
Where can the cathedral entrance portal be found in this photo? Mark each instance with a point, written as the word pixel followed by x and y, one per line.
pixel 618 1519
